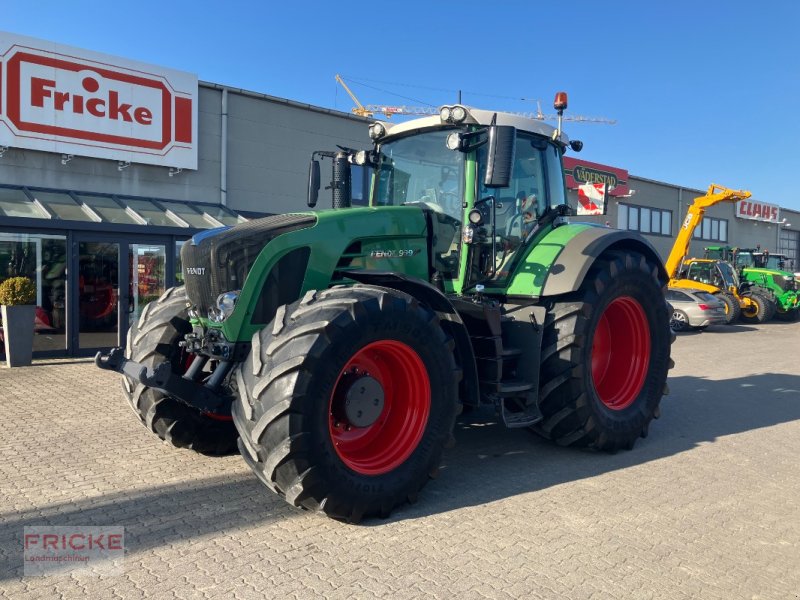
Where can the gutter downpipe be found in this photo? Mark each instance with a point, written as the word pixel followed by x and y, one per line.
pixel 223 168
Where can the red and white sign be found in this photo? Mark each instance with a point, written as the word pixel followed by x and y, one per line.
pixel 591 198
pixel 579 172
pixel 758 211
pixel 69 101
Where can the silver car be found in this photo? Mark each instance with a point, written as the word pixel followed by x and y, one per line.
pixel 694 309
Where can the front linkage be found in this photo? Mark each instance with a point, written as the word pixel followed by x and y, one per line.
pixel 209 396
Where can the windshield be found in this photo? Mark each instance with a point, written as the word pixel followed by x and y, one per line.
pixel 728 274
pixel 420 170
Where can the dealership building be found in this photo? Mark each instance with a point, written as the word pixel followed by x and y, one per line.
pixel 108 165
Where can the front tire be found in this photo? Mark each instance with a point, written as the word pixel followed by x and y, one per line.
pixel 758 311
pixel 347 401
pixel 151 341
pixel 605 356
pixel 732 308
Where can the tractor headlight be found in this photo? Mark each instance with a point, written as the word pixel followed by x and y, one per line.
pixel 377 131
pixel 225 304
pixel 458 114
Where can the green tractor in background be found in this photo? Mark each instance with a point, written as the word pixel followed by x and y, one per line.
pixel 339 346
pixel 765 272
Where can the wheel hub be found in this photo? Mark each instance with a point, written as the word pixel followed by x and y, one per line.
pixel 364 401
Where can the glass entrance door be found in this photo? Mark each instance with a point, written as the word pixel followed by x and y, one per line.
pixel 98 294
pixel 147 268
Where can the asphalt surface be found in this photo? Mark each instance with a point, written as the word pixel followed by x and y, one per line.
pixel 705 507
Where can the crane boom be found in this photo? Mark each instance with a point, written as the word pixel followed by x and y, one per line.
pixel 358 109
pixel 694 214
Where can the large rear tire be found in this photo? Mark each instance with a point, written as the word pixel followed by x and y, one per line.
pixel 347 401
pixel 151 341
pixel 605 356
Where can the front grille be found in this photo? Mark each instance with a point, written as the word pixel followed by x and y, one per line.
pixel 214 263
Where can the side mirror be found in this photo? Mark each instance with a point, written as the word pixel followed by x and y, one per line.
pixel 313 184
pixel 500 161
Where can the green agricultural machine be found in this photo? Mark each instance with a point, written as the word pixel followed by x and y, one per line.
pixel 765 273
pixel 336 348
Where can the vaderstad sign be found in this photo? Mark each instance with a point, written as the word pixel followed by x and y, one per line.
pixel 61 99
pixel 758 211
pixel 580 172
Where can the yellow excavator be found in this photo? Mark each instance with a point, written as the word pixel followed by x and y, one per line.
pixel 713 276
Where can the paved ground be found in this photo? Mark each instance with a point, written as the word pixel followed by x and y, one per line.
pixel 706 507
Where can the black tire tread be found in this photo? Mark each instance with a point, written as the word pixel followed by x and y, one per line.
pixel 275 377
pixel 568 418
pixel 151 341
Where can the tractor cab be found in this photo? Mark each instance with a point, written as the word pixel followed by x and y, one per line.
pixel 486 181
pixel 717 273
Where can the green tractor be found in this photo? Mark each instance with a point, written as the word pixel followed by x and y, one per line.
pixel 336 348
pixel 765 272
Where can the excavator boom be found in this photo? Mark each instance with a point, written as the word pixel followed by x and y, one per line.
pixel 714 195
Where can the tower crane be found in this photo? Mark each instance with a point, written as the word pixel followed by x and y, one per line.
pixel 402 110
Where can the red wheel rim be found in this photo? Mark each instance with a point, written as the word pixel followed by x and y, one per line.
pixel 386 443
pixel 620 353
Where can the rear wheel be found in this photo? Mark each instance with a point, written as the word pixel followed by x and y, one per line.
pixel 787 315
pixel 347 400
pixel 679 321
pixel 605 356
pixel 151 341
pixel 757 311
pixel 732 308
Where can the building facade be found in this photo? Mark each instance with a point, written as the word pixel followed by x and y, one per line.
pixel 656 210
pixel 94 209
pixel 107 166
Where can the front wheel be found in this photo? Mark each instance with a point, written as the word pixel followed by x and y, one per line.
pixel 757 309
pixel 732 308
pixel 605 356
pixel 347 401
pixel 154 339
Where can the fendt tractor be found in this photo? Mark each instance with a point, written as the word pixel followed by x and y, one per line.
pixel 339 346
pixel 741 298
pixel 767 276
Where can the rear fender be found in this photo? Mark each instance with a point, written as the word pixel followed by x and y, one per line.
pixel 560 261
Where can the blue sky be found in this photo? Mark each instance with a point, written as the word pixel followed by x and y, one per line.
pixel 702 91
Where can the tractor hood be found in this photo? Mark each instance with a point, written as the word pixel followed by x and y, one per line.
pixel 219 260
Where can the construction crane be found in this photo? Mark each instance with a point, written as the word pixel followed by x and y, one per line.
pixel 389 110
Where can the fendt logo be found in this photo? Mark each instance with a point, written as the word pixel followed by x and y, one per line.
pixel 93 105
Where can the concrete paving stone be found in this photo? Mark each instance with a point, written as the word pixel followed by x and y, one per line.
pixel 705 507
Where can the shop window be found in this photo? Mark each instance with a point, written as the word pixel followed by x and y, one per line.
pixel 711 229
pixel 43 259
pixel 644 219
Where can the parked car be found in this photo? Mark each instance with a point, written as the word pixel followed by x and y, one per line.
pixel 694 309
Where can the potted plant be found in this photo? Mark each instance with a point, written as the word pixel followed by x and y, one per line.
pixel 17 298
